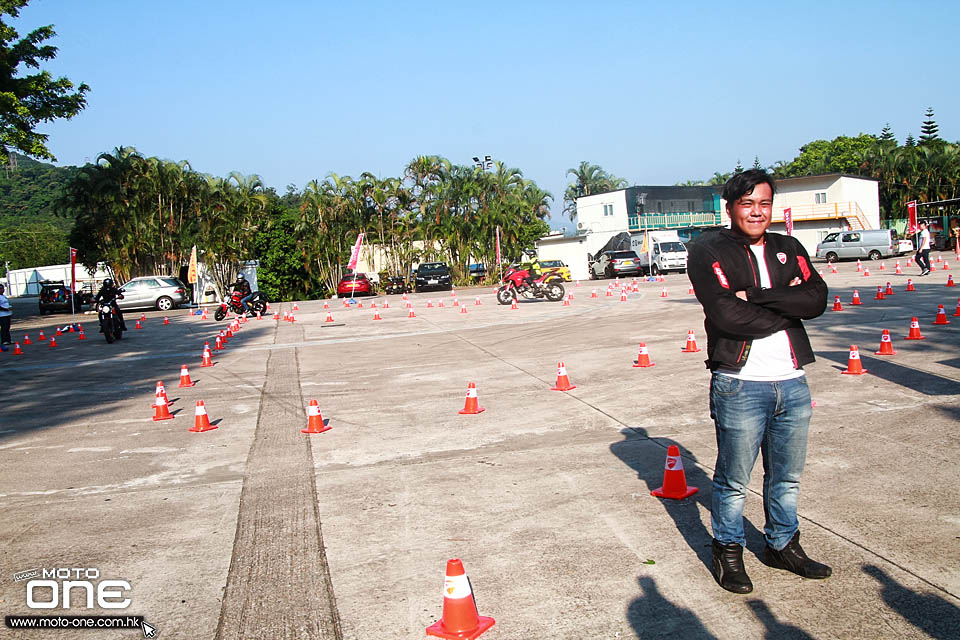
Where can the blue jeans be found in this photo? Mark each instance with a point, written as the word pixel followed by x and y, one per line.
pixel 243 302
pixel 752 417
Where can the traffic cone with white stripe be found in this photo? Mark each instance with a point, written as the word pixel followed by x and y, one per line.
pixel 899 270
pixel 946 265
pixel 456 302
pixel 859 266
pixel 59 332
pixel 833 268
pixel 477 302
pixel 643 358
pixel 915 330
pixel 376 315
pixel 201 421
pixel 161 411
pixel 593 293
pixel 42 337
pixel 430 304
pixel 856 298
pixel 910 286
pixel 460 620
pixel 18 352
pixel 886 346
pixel 81 336
pixel 315 423
pixel 866 272
pixel 566 301
pixel 941 316
pixel 663 293
pixel 440 303
pixel 674 479
pixel 950 281
pixel 623 295
pixel 329 317
pixel 411 314
pixel 836 304
pixel 514 305
pixel 207 362
pixel 691 343
pixel 957 312
pixel 160 391
pixel 166 320
pixel 185 380
pixel 883 266
pixel 26 339
pixel 889 291
pixel 563 382
pixel 471 406
pixel 463 309
pixel 879 295
pixel 53 341
pixel 854 366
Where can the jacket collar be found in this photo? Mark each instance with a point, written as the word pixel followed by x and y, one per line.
pixel 736 236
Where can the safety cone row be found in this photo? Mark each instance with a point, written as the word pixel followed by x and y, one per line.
pixel 563 381
pixel 674 479
pixel 315 423
pixel 854 366
pixel 201 421
pixel 643 357
pixel 472 404
pixel 460 619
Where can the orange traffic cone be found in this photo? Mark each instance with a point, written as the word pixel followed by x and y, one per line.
pixel 295 307
pixel 376 315
pixel 859 266
pixel 161 412
pixel 204 316
pixel 514 305
pixel 854 366
pixel 643 358
pixel 691 291
pixel 691 343
pixel 663 292
pixel 293 317
pixel 138 325
pixel 53 341
pixel 946 265
pixel 886 347
pixel 609 292
pixel 472 406
pixel 883 266
pixel 315 423
pixel 941 316
pixel 856 298
pixel 623 295
pixel 58 333
pixel 899 269
pixel 201 421
pixel 879 295
pixel 207 362
pixel 939 259
pixel 439 304
pixel 218 344
pixel 413 315
pixel 833 269
pixel 463 309
pixel 836 304
pixel 26 339
pixel 910 286
pixel 386 304
pixel 329 317
pixel 566 301
pixel 477 302
pixel 866 272
pixel 563 382
pixel 42 337
pixel 359 304
pixel 889 291
pixel 18 352
pixel 160 392
pixel 185 380
pixel 430 304
pixel 326 305
pixel 229 333
pixel 933 267
pixel 950 281
pixel 957 312
pixel 259 317
pixel 909 262
pixel 674 479
pixel 81 336
pixel 915 331
pixel 460 619
pixel 166 320
pixel 593 293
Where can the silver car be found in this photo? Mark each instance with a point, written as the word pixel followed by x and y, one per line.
pixel 161 292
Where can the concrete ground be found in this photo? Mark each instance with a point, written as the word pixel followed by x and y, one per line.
pixel 544 496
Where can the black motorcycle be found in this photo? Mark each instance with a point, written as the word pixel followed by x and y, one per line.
pixel 111 325
pixel 396 284
pixel 258 303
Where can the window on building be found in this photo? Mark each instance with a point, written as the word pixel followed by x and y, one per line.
pixel 659 206
pixel 820 198
pixel 608 209
pixel 690 205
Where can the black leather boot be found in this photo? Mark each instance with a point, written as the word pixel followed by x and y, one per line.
pixel 728 568
pixel 792 558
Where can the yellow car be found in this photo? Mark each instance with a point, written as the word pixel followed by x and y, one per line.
pixel 556 266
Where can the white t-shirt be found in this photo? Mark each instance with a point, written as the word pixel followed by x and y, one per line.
pixel 770 358
pixel 924 239
pixel 4 302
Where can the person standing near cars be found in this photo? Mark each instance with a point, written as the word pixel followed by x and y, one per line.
pixel 755 288
pixel 6 315
pixel 923 250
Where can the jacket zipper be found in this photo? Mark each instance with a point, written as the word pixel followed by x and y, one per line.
pixel 756 281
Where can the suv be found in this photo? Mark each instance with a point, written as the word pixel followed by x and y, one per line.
pixel 614 264
pixel 56 296
pixel 162 292
pixel 433 275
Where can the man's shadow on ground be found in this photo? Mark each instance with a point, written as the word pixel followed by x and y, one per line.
pixel 935 616
pixel 646 456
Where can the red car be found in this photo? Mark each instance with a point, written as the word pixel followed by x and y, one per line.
pixel 354 284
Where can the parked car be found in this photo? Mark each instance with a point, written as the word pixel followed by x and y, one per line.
pixel 56 296
pixel 853 245
pixel 558 266
pixel 433 275
pixel 355 284
pixel 160 292
pixel 612 264
pixel 478 271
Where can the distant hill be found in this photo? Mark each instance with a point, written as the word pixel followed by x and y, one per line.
pixel 28 192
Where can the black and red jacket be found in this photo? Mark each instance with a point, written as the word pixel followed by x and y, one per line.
pixel 720 263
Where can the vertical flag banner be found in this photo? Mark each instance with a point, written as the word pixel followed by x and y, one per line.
pixel 192 269
pixel 912 226
pixel 73 270
pixel 788 218
pixel 499 261
pixel 355 254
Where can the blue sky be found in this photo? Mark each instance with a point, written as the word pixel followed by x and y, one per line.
pixel 654 92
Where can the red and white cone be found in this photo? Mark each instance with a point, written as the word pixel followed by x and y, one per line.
pixel 376 315
pixel 53 341
pixel 674 479
pixel 218 344
pixel 26 339
pixel 477 302
pixel 18 352
pixel 329 317
pixel 879 295
pixel 836 304
pixel 886 346
pixel 593 293
pixel 566 301
pixel 946 265
pixel 691 291
pixel 161 411
pixel 463 310
pixel 326 305
pixel 663 292
pixel 42 337
pixel 856 298
pixel 950 281
pixel 643 357
pixel 460 620
pixel 910 286
pixel 899 270
pixel 883 266
pixel 440 304
pixel 207 362
pixel 429 304
pixel 866 272
pixel 941 316
pixel 957 312
pixel 315 423
pixel 514 306
pixel 185 380
pixel 386 304
pixel 201 421
pixel 833 269
pixel 915 330
pixel 472 404
pixel 166 320
pixel 854 366
pixel 859 266
pixel 81 336
pixel 623 295
pixel 563 382
pixel 691 343
pixel 411 314
pixel 889 290
pixel 160 391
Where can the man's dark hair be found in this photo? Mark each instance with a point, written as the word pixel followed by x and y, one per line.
pixel 743 184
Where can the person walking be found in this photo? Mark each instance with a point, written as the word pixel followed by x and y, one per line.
pixel 6 315
pixel 756 287
pixel 923 250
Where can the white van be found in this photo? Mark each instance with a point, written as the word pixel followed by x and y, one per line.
pixel 666 252
pixel 873 244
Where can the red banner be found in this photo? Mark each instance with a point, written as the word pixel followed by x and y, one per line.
pixel 73 269
pixel 788 218
pixel 498 246
pixel 355 254
pixel 912 226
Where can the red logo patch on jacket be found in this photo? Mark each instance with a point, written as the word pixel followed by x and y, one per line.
pixel 720 275
pixel 804 267
pixel 782 257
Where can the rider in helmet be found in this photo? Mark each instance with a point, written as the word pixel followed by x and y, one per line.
pixel 110 293
pixel 534 271
pixel 246 294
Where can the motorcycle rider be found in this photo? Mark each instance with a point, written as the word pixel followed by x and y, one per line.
pixel 534 271
pixel 110 293
pixel 246 293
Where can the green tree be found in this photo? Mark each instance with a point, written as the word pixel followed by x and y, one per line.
pixel 589 179
pixel 29 100
pixel 929 130
pixel 909 142
pixel 886 135
pixel 756 162
pixel 841 155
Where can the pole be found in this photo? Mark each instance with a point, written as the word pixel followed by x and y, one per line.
pixel 73 287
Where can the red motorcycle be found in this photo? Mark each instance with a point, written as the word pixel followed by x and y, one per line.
pixel 549 285
pixel 257 303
